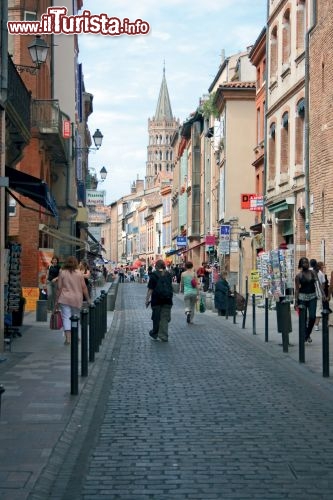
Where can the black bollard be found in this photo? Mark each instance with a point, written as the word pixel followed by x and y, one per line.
pixel 326 347
pixel 74 355
pixel 97 303
pixel 266 319
pixel 253 314
pixel 235 305
pixel 301 332
pixel 84 343
pixel 245 310
pixel 92 332
pixel 104 311
pixel 2 390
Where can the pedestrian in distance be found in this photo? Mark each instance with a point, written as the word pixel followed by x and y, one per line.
pixel 190 287
pixel 121 273
pixel 52 279
pixel 84 269
pixel 159 295
pixel 305 294
pixel 221 294
pixel 71 291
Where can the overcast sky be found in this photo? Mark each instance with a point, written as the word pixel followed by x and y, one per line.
pixel 124 73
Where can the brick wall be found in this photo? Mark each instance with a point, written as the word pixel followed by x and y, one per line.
pixel 321 133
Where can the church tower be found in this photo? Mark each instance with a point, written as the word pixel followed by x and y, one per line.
pixel 160 156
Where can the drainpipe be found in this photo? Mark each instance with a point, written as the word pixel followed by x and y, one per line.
pixel 307 126
pixel 3 180
pixel 264 180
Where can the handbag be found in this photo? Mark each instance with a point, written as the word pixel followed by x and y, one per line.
pixel 56 320
pixel 194 282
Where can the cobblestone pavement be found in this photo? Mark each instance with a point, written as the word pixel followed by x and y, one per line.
pixel 215 413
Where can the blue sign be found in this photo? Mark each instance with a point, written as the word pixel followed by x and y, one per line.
pixel 181 241
pixel 225 230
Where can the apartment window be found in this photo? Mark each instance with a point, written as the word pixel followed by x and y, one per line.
pixel 30 16
pixel 286 38
pixel 258 126
pixel 300 132
pixel 284 143
pixel 300 26
pixel 273 53
pixel 272 152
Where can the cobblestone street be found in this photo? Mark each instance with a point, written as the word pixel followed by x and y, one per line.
pixel 213 414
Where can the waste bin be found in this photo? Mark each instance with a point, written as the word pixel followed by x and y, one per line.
pixel 41 310
pixel 283 316
pixel 17 316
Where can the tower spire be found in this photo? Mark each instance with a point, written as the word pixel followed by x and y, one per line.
pixel 163 108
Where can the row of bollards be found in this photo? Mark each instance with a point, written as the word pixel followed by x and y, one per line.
pixel 284 326
pixel 93 330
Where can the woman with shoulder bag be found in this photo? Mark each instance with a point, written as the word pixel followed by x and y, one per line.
pixel 305 293
pixel 52 279
pixel 189 286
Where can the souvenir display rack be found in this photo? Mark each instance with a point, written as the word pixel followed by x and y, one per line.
pixel 276 273
pixel 13 291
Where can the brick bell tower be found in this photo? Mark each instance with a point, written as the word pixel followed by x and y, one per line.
pixel 160 155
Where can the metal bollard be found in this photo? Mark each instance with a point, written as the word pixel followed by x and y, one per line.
pixel 84 343
pixel 104 313
pixel 266 319
pixel 2 390
pixel 245 310
pixel 74 355
pixel 326 347
pixel 97 303
pixel 92 332
pixel 301 333
pixel 253 314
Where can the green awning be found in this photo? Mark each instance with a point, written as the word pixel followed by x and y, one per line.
pixel 281 206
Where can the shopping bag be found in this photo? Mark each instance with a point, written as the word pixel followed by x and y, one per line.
pixel 202 307
pixel 56 320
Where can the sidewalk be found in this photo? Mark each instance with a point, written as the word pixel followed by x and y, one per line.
pixel 37 404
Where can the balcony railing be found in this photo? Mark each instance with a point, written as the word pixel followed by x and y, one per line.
pixel 48 119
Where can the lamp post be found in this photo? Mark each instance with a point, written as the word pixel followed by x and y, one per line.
pixel 97 138
pixel 38 50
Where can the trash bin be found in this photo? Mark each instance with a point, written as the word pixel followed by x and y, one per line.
pixel 283 316
pixel 41 310
pixel 17 316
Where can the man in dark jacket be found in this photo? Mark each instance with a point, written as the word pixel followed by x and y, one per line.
pixel 222 291
pixel 159 295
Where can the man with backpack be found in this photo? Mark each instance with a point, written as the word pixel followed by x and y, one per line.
pixel 159 295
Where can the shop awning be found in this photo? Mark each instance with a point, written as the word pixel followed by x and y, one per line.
pixel 66 238
pixel 192 248
pixel 33 188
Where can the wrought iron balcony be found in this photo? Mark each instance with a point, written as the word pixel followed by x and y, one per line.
pixel 48 119
pixel 18 106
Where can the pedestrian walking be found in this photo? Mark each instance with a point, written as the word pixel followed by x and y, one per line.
pixel 121 273
pixel 84 269
pixel 71 291
pixel 318 268
pixel 305 294
pixel 221 294
pixel 189 286
pixel 159 295
pixel 52 279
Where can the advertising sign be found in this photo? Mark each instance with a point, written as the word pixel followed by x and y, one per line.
pixel 95 198
pixel 256 203
pixel 181 241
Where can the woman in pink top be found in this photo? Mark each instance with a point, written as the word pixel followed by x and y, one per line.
pixel 71 290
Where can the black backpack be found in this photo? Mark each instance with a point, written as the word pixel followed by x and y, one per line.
pixel 163 290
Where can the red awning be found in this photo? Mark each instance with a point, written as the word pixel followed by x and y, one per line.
pixel 192 248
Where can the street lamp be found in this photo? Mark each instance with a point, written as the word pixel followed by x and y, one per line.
pixel 97 138
pixel 103 172
pixel 38 50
